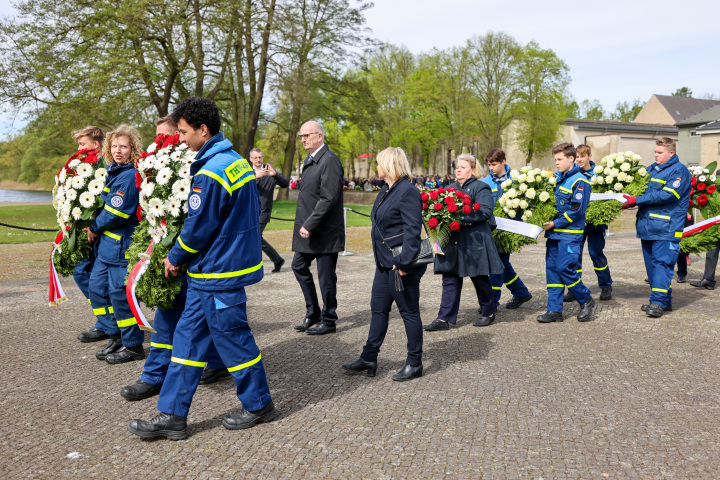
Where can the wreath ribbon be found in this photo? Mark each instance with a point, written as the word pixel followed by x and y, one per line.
pixel 699 227
pixel 138 270
pixel 55 291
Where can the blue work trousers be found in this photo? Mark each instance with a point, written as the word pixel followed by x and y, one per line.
pixel 81 275
pixel 217 318
pixel 660 257
pixel 110 305
pixel 562 268
pixel 510 279
pixel 596 245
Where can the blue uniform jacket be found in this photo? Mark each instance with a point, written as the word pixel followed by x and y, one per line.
pixel 662 209
pixel 589 227
pixel 572 195
pixel 117 220
pixel 495 183
pixel 221 236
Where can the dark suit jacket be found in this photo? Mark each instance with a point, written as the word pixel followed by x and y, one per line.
pixel 397 216
pixel 266 189
pixel 320 205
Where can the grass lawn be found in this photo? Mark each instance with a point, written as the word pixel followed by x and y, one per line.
pixel 43 216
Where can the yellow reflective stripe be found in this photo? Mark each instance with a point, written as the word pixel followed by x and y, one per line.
pixel 579 271
pixel 655 215
pixel 508 283
pixel 497 288
pixel 106 189
pixel 568 217
pixel 658 180
pixel 558 285
pixel 217 178
pixel 562 230
pixel 127 322
pixel 227 274
pixel 673 191
pixel 98 311
pixel 89 301
pixel 603 268
pixel 245 365
pixel 113 235
pixel 161 345
pixel 565 190
pixel 659 290
pixel 110 310
pixel 678 234
pixel 191 363
pixel 242 182
pixel 578 281
pixel 185 247
pixel 116 212
pixel 581 180
pixel 494 189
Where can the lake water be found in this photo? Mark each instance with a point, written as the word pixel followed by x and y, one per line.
pixel 16 196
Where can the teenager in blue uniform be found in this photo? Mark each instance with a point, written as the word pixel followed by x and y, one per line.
pixel 564 238
pixel 112 231
pixel 662 210
pixel 594 235
pixel 220 241
pixel 499 172
pixel 164 324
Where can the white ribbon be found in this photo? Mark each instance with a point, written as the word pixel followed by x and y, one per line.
pixel 608 196
pixel 521 228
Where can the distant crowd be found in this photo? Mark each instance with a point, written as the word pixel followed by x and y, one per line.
pixel 370 184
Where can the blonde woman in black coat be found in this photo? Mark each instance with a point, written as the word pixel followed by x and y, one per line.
pixel 396 221
pixel 470 252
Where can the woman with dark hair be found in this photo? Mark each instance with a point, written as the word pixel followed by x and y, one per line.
pixel 470 251
pixel 396 221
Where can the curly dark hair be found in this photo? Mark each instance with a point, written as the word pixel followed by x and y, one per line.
pixel 197 111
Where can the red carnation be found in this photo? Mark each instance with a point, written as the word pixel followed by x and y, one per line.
pixel 459 195
pixel 138 179
pixel 450 189
pixel 466 200
pixel 452 208
pixel 438 206
pixel 476 206
pixel 691 202
pixel 450 200
pixel 432 223
pixel 693 181
pixel 441 190
pixel 160 139
pixel 711 189
pixel 692 191
pixel 701 186
pixel 425 206
pixel 467 209
pixel 139 213
pixel 454 226
pixel 424 196
pixel 433 194
pixel 702 200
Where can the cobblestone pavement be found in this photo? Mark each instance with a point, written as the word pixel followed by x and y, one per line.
pixel 623 396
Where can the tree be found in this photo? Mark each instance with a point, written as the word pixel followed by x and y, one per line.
pixel 591 110
pixel 626 112
pixel 682 92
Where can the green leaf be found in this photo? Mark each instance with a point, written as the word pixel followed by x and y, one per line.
pixel 87 213
pixel 167 241
pixel 72 240
pixel 712 167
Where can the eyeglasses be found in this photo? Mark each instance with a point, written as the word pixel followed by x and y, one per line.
pixel 305 136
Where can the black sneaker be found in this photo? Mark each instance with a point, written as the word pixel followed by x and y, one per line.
pixel 681 278
pixel 549 317
pixel 436 325
pixel 517 301
pixel 606 293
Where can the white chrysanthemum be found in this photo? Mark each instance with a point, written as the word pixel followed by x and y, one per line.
pixel 185 208
pixel 147 188
pixel 599 180
pixel 100 174
pixel 163 176
pixel 71 194
pixel 96 186
pixel 152 147
pixel 521 178
pixel 164 151
pixel 181 188
pixel 512 193
pixel 155 207
pixel 642 172
pixel 523 204
pixel 620 158
pixel 713 178
pixel 625 167
pixel 60 191
pixel 534 172
pixel 506 184
pixel 530 193
pixel 635 157
pixel 62 176
pixel 162 159
pixel 172 206
pixel 618 187
pixel 151 219
pixel 552 180
pixel 512 213
pixel 702 178
pixel 615 172
pixel 175 156
pixel 87 199
pixel 74 163
pixel 598 170
pixel 65 217
pixel 78 181
pixel 514 174
pixel 76 213
pixel 148 162
pixel 544 196
pixel 523 187
pixel 622 177
pixel 182 146
pixel 593 180
pixel 184 172
pixel 526 215
pixel 515 202
pixel 84 170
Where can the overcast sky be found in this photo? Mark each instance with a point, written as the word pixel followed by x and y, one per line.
pixel 616 50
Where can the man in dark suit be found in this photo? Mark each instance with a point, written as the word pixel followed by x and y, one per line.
pixel 266 178
pixel 319 232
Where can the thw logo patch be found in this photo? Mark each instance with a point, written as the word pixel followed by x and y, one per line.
pixel 237 169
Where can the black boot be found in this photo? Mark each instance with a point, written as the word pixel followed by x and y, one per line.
pixel 569 297
pixel 549 317
pixel 645 307
pixel 246 419
pixel 212 375
pixel 586 311
pixel 92 335
pixel 654 310
pixel 126 354
pixel 140 391
pixel 408 373
pixel 360 366
pixel 165 425
pixel 516 302
pixel 606 293
pixel 113 345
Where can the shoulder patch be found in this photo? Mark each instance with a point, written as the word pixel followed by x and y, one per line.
pixel 676 183
pixel 237 169
pixel 194 201
pixel 578 196
pixel 116 201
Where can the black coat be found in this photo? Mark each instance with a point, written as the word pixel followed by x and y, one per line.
pixel 471 251
pixel 266 189
pixel 397 217
pixel 320 205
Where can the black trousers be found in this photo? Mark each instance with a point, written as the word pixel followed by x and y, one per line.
pixel 711 260
pixel 408 304
pixel 326 266
pixel 267 248
pixel 452 288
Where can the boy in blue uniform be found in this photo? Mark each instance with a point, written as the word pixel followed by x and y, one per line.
pixel 662 210
pixel 499 172
pixel 220 241
pixel 564 237
pixel 594 234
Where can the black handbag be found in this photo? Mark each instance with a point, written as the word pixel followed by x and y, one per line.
pixel 425 255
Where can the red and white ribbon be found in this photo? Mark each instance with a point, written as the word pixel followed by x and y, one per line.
pixel 699 227
pixel 55 290
pixel 138 270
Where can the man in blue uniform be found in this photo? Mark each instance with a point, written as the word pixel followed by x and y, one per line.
pixel 594 234
pixel 564 238
pixel 220 241
pixel 499 172
pixel 660 222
